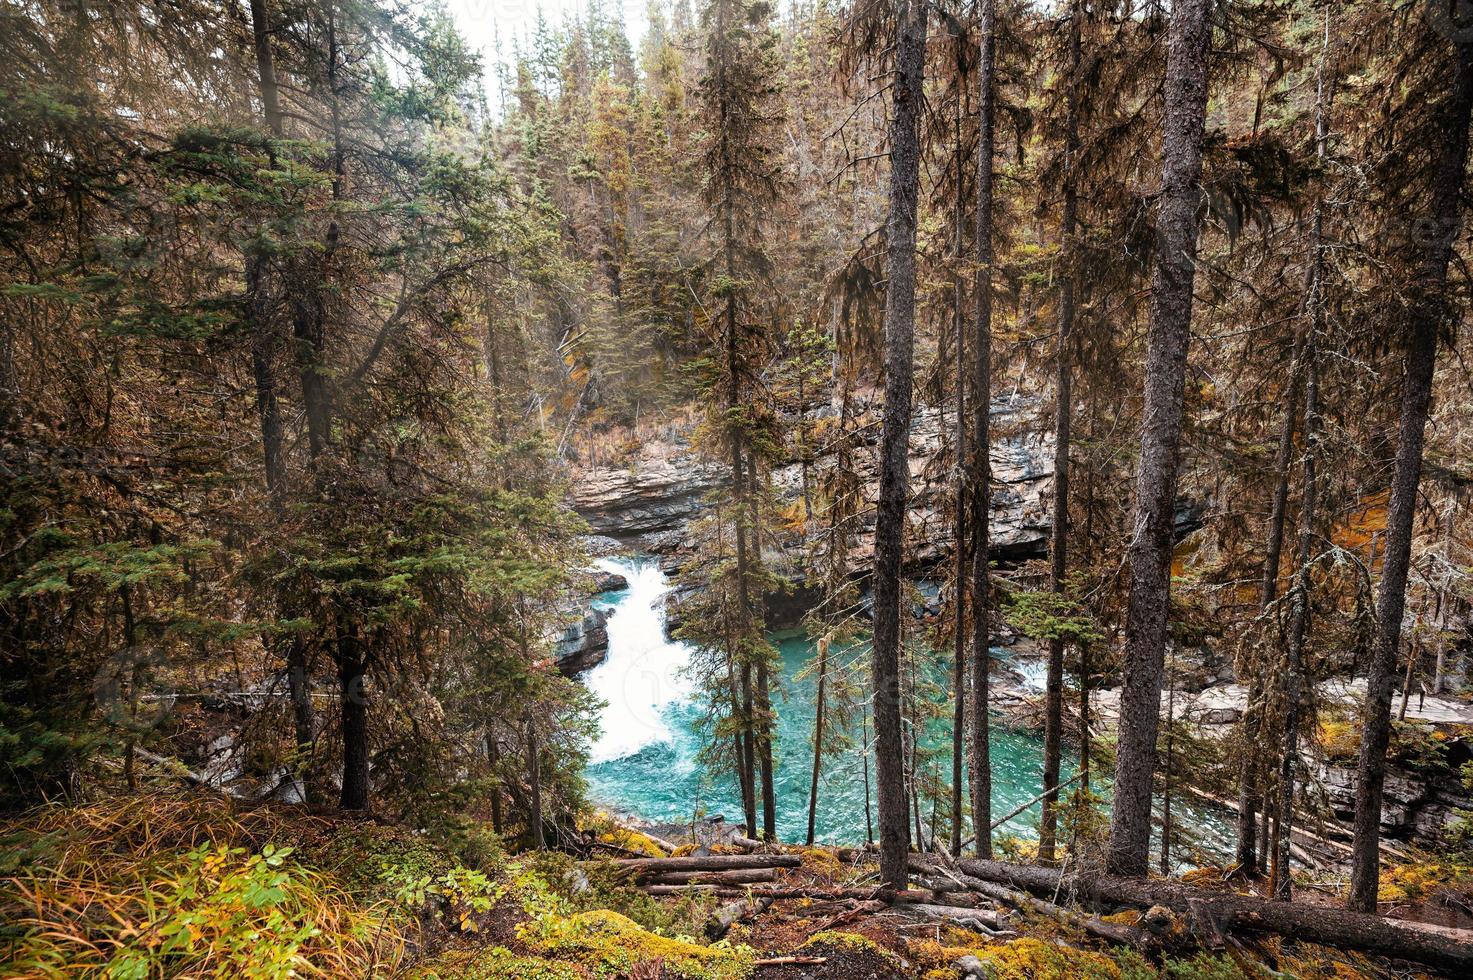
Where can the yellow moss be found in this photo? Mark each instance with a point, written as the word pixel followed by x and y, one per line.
pixel 1415 882
pixel 1205 876
pixel 631 840
pixel 1128 917
pixel 496 963
pixel 612 944
pixel 821 859
pixel 936 957
pixel 1339 739
pixel 1031 959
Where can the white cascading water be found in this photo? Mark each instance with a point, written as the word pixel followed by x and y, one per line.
pixel 644 672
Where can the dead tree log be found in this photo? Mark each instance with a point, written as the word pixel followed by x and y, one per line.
pixel 1439 946
pixel 775 892
pixel 736 876
pixel 734 912
pixel 976 919
pixel 649 867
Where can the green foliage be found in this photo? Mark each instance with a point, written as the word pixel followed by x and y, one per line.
pixel 1051 616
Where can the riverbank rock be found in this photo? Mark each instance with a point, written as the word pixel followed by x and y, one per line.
pixel 583 644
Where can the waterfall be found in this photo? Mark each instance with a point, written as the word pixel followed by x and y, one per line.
pixel 643 673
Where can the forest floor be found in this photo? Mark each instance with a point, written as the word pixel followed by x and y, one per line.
pixel 170 884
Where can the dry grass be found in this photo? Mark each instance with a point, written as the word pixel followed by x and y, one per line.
pixel 176 886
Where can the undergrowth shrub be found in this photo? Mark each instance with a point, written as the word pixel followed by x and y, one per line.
pixel 164 886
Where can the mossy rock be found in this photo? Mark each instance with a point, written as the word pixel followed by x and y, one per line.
pixel 610 944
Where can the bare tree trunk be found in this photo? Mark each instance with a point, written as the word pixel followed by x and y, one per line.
pixel 534 778
pixel 1053 715
pixel 900 276
pixel 1250 793
pixel 869 821
pixel 1166 770
pixel 1429 305
pixel 493 763
pixel 1166 362
pixel 263 369
pixel 818 720
pixel 979 475
pixel 962 501
pixel 1282 880
pixel 353 692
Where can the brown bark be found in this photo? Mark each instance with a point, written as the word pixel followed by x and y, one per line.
pixel 353 694
pixel 1053 713
pixel 1429 306
pixel 729 915
pixel 734 876
pixel 818 719
pixel 1439 946
pixel 900 266
pixel 1313 308
pixel 962 500
pixel 1250 793
pixel 709 862
pixel 1166 361
pixel 979 475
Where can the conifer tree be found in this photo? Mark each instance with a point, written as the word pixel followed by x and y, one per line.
pixel 1172 279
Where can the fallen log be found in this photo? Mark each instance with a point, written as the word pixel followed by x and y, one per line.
pixel 962 899
pixel 728 915
pixel 1110 931
pixel 1434 945
pixel 976 919
pixel 709 862
pixel 736 876
pixel 779 892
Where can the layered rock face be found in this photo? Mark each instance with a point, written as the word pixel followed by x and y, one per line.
pixel 648 503
pixel 583 644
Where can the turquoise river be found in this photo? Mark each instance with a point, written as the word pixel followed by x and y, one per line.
pixel 646 760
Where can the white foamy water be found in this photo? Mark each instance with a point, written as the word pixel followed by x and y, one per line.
pixel 643 673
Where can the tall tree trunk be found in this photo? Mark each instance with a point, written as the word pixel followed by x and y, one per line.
pixel 353 693
pixel 762 723
pixel 1281 883
pixel 1053 715
pixel 1427 313
pixel 979 470
pixel 818 720
pixel 1167 783
pixel 1298 626
pixel 1166 362
pixel 493 763
pixel 963 497
pixel 900 277
pixel 1250 792
pixel 534 778
pixel 748 752
pixel 263 371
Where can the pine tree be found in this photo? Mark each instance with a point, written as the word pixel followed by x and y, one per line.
pixel 910 46
pixel 1172 278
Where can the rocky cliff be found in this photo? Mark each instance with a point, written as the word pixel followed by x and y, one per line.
pixel 647 503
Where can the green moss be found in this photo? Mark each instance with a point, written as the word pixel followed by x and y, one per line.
pixel 1033 959
pixel 612 944
pixel 496 963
